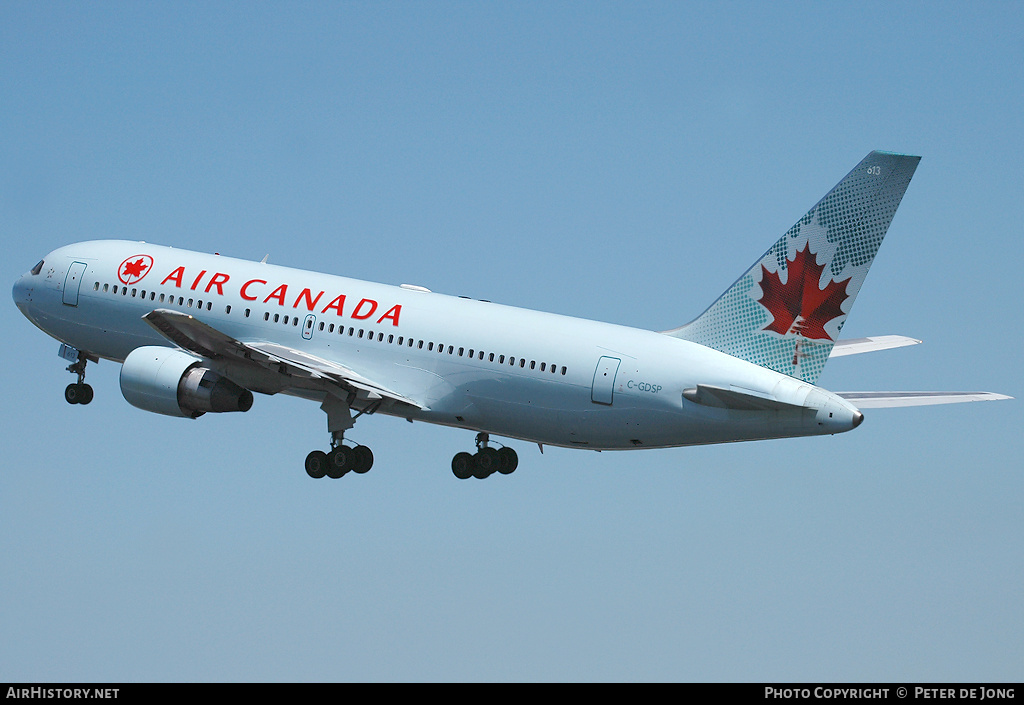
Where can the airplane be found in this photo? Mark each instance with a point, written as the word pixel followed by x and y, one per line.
pixel 197 333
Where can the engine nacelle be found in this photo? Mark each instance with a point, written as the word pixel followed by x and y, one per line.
pixel 172 382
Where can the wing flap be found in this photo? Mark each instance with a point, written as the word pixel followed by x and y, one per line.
pixel 881 400
pixel 331 370
pixel 193 335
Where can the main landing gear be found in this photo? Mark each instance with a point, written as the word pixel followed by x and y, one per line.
pixel 485 462
pixel 78 392
pixel 341 459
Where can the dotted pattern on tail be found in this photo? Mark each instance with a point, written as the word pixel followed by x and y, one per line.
pixel 844 231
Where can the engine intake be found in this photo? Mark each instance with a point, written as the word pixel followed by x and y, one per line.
pixel 174 383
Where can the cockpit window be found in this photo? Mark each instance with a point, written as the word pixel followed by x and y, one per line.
pixel 38 268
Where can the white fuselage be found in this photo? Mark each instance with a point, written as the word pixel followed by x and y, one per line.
pixel 472 364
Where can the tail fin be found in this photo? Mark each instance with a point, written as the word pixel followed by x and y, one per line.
pixel 786 311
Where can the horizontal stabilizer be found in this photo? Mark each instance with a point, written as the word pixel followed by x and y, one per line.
pixel 722 398
pixel 856 346
pixel 880 400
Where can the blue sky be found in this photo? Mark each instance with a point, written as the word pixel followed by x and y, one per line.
pixel 617 161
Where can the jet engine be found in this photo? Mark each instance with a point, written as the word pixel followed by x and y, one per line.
pixel 174 383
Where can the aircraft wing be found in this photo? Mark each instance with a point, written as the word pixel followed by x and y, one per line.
pixel 879 400
pixel 193 335
pixel 856 346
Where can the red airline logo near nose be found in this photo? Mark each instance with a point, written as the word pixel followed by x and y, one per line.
pixel 134 269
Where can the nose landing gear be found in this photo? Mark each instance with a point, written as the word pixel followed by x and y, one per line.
pixel 485 462
pixel 77 392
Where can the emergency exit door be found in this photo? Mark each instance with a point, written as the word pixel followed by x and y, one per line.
pixel 604 380
pixel 73 282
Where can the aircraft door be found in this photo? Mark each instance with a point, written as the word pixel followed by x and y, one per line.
pixel 307 326
pixel 73 282
pixel 604 380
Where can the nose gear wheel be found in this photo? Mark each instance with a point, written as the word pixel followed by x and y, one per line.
pixel 78 392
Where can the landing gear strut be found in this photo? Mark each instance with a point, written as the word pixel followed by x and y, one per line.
pixel 485 462
pixel 341 459
pixel 78 392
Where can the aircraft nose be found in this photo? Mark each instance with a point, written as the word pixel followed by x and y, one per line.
pixel 858 419
pixel 22 292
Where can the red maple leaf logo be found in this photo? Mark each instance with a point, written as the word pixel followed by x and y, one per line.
pixel 799 306
pixel 134 268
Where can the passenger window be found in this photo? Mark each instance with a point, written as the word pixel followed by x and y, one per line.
pixel 106 288
pixel 227 309
pixel 391 339
pixel 563 369
pixel 247 312
pixel 320 327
